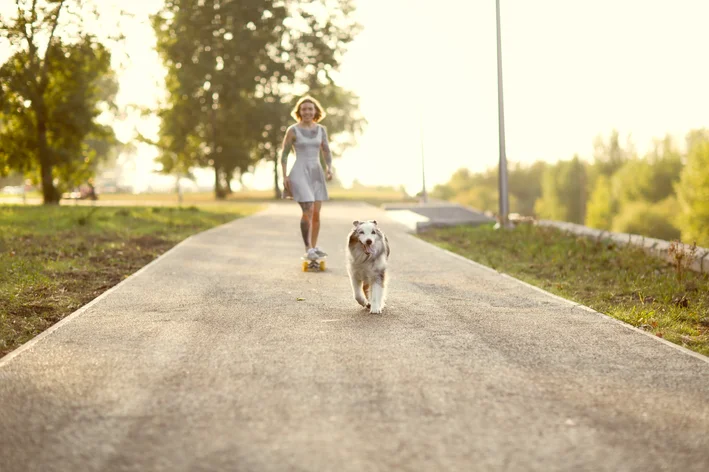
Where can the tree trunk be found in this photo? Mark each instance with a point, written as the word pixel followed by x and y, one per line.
pixel 275 179
pixel 227 185
pixel 49 192
pixel 218 190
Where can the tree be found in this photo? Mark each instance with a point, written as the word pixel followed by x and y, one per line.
pixel 525 184
pixel 609 156
pixel 647 219
pixel 651 179
pixel 51 90
pixel 214 52
pixel 602 206
pixel 563 192
pixel 693 193
pixel 235 67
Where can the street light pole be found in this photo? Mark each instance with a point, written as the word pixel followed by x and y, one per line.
pixel 423 168
pixel 504 203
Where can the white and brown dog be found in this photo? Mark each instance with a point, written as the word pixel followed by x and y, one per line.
pixel 367 256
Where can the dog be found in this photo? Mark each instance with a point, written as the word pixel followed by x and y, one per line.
pixel 367 257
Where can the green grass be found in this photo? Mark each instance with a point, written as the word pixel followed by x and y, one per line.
pixel 623 282
pixel 373 196
pixel 56 259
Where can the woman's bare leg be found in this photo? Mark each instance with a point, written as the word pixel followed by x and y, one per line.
pixel 306 223
pixel 316 223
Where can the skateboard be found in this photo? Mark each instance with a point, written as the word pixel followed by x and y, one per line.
pixel 316 265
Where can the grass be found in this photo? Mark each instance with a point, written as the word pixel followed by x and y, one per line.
pixel 374 196
pixel 622 282
pixel 54 260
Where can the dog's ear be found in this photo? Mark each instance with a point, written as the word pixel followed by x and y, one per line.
pixel 373 221
pixel 355 223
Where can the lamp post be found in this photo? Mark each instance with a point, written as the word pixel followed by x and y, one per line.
pixel 503 221
pixel 423 168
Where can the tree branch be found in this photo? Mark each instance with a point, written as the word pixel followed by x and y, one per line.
pixel 45 64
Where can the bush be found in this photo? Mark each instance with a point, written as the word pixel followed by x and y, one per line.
pixel 647 219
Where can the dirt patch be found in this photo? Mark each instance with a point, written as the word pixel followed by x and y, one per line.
pixel 95 264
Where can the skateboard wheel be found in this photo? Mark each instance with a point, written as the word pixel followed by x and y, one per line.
pixel 305 266
pixel 322 265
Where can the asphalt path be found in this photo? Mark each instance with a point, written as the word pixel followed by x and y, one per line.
pixel 223 355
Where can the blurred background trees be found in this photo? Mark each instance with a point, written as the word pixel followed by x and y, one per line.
pixel 663 194
pixel 54 85
pixel 234 71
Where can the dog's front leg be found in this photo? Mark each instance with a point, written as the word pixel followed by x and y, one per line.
pixel 377 299
pixel 357 291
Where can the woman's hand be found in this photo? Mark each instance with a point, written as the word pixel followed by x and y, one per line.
pixel 328 174
pixel 286 185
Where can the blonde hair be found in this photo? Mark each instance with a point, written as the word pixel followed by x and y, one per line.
pixel 319 111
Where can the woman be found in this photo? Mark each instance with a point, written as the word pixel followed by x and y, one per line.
pixel 306 181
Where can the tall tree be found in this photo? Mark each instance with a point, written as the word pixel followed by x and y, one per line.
pixel 564 192
pixel 51 89
pixel 602 205
pixel 525 183
pixel 235 68
pixel 651 179
pixel 610 155
pixel 215 52
pixel 693 191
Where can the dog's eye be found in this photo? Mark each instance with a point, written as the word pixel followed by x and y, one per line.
pixel 373 232
pixel 361 232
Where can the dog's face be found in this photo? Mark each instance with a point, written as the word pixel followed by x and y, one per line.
pixel 365 233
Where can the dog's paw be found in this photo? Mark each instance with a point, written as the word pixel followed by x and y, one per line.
pixel 362 301
pixel 375 310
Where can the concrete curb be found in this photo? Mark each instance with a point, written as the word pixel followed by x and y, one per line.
pixel 655 247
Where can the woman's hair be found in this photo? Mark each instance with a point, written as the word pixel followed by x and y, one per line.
pixel 319 111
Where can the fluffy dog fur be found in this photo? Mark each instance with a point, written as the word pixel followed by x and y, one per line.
pixel 367 256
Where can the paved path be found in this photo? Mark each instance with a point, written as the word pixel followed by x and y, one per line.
pixel 205 360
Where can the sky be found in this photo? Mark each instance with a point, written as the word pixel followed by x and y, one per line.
pixel 426 75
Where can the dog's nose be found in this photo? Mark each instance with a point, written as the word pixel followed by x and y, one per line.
pixel 369 241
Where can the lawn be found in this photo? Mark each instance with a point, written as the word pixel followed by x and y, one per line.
pixel 620 281
pixel 373 196
pixel 56 259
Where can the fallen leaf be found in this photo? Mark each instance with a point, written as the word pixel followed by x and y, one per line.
pixel 300 299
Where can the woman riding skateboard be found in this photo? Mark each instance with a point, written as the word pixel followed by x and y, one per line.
pixel 306 181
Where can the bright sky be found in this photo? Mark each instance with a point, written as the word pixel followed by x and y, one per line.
pixel 572 70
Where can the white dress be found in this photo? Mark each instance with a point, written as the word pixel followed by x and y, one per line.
pixel 307 178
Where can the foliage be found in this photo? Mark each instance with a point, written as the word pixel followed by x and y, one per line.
pixel 664 194
pixel 602 205
pixel 648 219
pixel 609 155
pixel 650 179
pixel 563 192
pixel 234 69
pixel 51 94
pixel 693 194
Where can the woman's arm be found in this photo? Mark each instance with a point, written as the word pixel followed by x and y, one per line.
pixel 325 146
pixel 288 141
